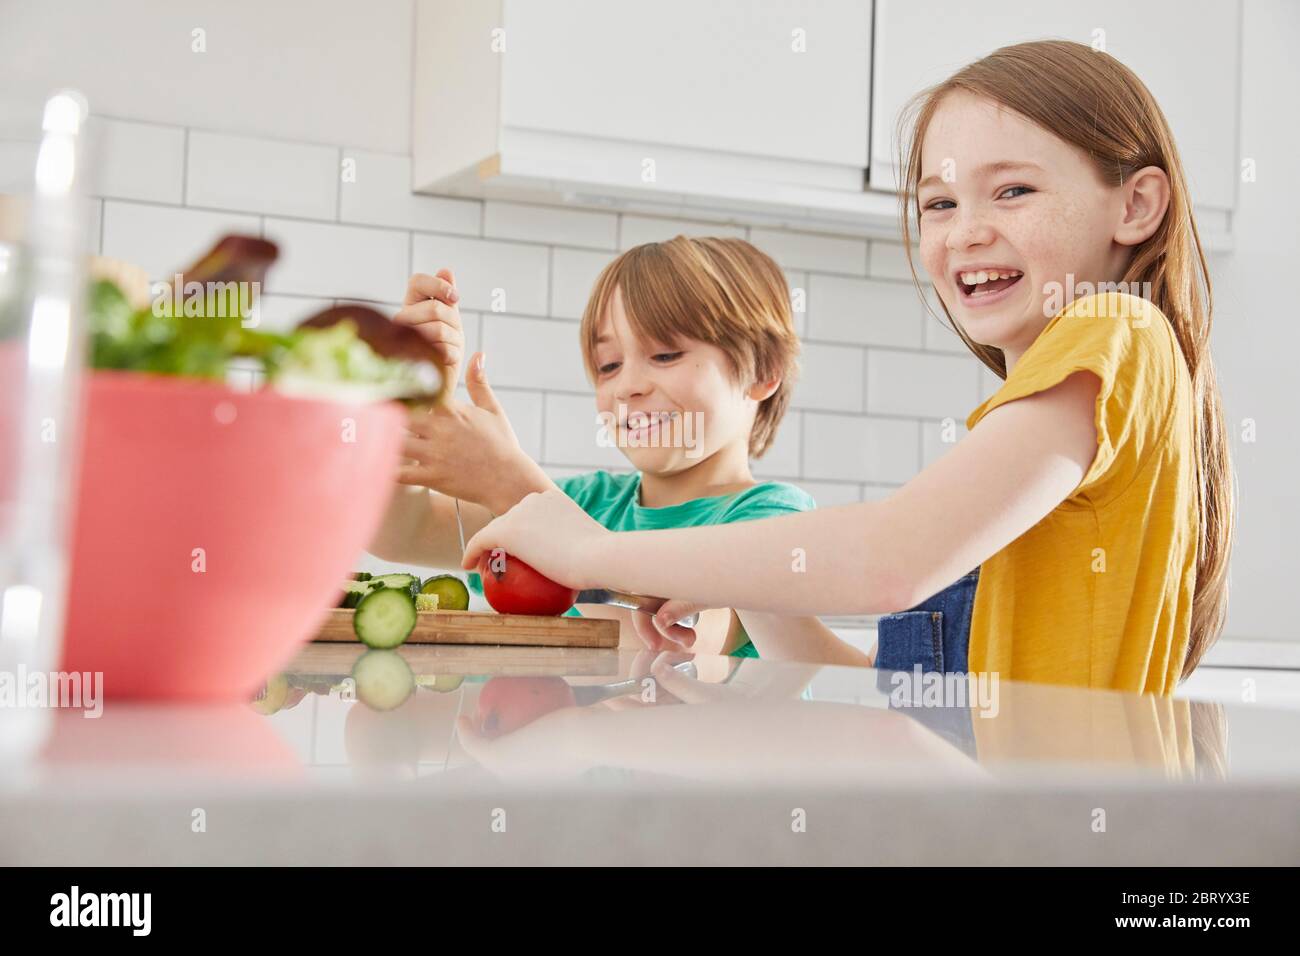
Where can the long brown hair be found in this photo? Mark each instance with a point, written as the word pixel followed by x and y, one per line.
pixel 1092 101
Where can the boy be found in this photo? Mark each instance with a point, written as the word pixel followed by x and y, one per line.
pixel 692 351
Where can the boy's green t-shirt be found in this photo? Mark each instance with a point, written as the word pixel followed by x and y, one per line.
pixel 614 500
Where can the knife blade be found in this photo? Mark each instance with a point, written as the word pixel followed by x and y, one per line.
pixel 586 694
pixel 635 602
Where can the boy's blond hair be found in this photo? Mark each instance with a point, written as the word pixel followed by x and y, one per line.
pixel 721 291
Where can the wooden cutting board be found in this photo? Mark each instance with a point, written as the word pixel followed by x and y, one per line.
pixel 477 627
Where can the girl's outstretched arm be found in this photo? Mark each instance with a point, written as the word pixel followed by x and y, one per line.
pixel 1021 461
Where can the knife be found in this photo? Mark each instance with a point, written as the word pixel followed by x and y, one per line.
pixel 635 602
pixel 586 694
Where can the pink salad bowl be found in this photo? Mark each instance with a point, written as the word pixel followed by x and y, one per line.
pixel 213 529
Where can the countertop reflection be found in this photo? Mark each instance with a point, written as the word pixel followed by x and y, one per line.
pixel 369 743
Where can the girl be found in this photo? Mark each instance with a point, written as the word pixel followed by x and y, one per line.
pixel 1093 488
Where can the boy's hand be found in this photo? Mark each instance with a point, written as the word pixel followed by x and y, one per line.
pixel 469 451
pixel 430 306
pixel 661 632
pixel 664 622
pixel 549 531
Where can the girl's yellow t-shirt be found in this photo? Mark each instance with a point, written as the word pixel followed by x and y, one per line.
pixel 1099 592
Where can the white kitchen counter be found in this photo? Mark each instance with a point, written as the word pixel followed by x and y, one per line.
pixel 750 771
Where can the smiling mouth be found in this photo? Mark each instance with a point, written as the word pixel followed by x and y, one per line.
pixel 640 421
pixel 986 282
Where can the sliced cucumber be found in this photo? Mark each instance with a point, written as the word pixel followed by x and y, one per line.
pixel 385 617
pixel 442 683
pixel 272 695
pixel 353 591
pixel 383 679
pixel 401 581
pixel 426 602
pixel 451 591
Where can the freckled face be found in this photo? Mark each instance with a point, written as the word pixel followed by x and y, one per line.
pixel 642 385
pixel 1001 196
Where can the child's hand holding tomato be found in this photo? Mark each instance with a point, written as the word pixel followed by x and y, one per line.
pixel 550 532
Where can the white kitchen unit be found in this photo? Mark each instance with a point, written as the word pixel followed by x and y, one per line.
pixel 726 105
pixel 1187 53
pixel 784 110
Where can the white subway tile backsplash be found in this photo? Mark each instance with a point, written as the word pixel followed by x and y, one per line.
pixel 533 353
pixel 375 189
pixel 638 230
pixel 354 262
pixel 280 313
pixel 989 382
pixel 491 276
pixel 830 377
pixel 889 261
pixel 830 494
pixel 912 383
pixel 863 311
pixel 573 273
pixel 798 284
pixel 165 239
pixel 524 410
pixel 550 224
pixel 782 459
pixel 877 492
pixel 570 433
pixel 817 253
pixel 262 175
pixel 938 438
pixel 472 325
pixel 854 448
pixel 939 334
pixel 556 473
pixel 940 338
pixel 137 160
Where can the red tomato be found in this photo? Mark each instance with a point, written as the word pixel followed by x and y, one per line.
pixel 507 703
pixel 512 587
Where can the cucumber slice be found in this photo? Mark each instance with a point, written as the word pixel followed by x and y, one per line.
pixel 426 602
pixel 383 679
pixel 353 591
pixel 451 591
pixel 442 683
pixel 272 695
pixel 385 618
pixel 401 581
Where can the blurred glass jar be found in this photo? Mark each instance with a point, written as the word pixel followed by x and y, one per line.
pixel 43 247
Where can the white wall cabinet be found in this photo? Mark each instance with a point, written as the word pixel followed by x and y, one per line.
pixel 1188 52
pixel 783 109
pixel 727 104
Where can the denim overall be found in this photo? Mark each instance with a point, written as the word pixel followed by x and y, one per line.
pixel 936 635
